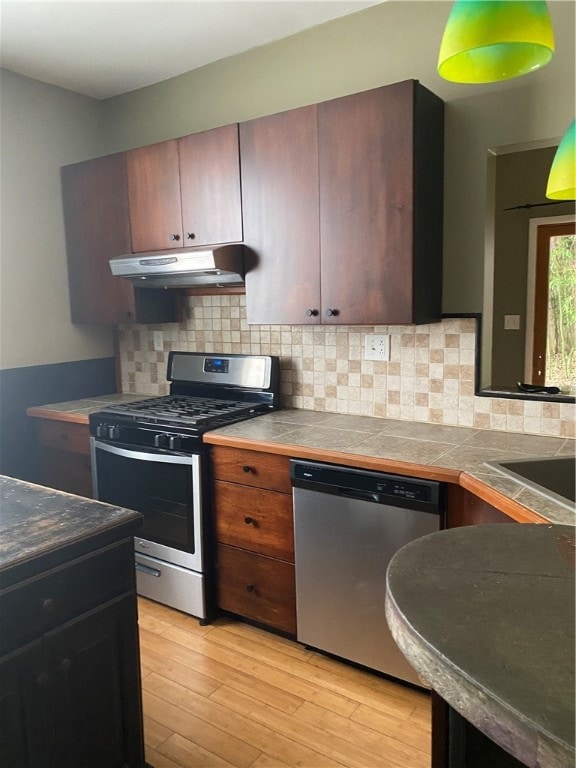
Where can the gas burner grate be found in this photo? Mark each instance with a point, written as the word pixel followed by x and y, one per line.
pixel 181 408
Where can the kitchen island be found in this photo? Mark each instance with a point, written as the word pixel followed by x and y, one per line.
pixel 485 614
pixel 69 653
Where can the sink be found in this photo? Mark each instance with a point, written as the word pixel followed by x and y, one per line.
pixel 554 477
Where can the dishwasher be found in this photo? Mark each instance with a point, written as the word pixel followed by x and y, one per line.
pixel 348 523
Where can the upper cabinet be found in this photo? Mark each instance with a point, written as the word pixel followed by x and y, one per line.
pixel 97 225
pixel 281 213
pixel 186 192
pixel 343 206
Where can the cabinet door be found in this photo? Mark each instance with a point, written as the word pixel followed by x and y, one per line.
pixel 154 190
pixel 210 186
pixel 73 699
pixel 94 677
pixel 97 223
pixel 366 215
pixel 281 214
pixel 25 709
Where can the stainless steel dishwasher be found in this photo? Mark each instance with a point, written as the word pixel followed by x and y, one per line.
pixel 347 525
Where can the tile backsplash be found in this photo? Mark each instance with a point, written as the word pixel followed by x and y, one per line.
pixel 429 378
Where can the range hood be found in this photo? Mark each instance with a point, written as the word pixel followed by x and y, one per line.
pixel 185 267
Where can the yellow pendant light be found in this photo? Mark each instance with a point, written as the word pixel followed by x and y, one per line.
pixel 490 40
pixel 562 178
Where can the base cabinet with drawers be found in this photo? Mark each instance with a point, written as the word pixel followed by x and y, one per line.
pixel 254 536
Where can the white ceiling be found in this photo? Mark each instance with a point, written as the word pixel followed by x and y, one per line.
pixel 104 49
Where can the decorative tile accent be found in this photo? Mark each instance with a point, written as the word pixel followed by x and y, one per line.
pixel 429 378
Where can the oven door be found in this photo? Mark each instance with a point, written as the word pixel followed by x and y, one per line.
pixel 164 488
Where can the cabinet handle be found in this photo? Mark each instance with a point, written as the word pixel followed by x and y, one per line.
pixel 174 237
pixel 247 469
pixel 42 679
pixel 250 521
pixel 332 312
pixel 311 312
pixel 250 588
pixel 48 605
pixel 65 665
pixel 190 236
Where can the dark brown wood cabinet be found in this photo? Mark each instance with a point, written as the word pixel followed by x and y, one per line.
pixel 343 206
pixel 69 665
pixel 464 508
pixel 255 536
pixel 97 225
pixel 64 456
pixel 281 212
pixel 186 192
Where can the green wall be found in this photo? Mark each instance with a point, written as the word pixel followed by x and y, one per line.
pixel 42 128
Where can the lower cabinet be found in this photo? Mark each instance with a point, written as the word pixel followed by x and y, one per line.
pixel 64 456
pixel 71 696
pixel 255 537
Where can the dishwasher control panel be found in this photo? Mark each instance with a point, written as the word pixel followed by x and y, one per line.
pixel 363 484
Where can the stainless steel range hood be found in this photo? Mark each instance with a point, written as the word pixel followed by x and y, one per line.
pixel 186 267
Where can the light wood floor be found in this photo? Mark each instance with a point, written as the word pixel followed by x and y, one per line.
pixel 230 694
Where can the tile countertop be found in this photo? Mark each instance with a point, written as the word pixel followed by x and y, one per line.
pixel 452 454
pixel 78 411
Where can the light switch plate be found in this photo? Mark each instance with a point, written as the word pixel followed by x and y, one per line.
pixel 377 346
pixel 158 341
pixel 511 322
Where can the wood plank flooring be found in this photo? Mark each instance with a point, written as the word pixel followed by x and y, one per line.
pixel 230 695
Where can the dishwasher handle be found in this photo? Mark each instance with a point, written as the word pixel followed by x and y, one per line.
pixel 358 494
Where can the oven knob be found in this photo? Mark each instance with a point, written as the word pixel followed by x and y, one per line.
pixel 113 433
pixel 101 430
pixel 160 441
pixel 174 442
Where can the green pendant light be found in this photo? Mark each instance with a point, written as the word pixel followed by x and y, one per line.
pixel 562 178
pixel 490 40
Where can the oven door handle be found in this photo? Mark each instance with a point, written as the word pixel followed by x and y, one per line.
pixel 144 455
pixel 148 570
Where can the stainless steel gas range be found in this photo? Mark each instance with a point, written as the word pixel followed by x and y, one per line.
pixel 149 456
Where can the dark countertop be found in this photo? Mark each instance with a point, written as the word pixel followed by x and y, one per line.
pixel 38 525
pixel 486 615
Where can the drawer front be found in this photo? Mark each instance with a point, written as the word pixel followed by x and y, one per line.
pixel 253 519
pixel 257 587
pixel 262 470
pixel 36 606
pixel 65 435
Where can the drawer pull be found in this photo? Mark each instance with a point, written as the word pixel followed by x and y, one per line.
pixel 65 665
pixel 42 679
pixel 146 569
pixel 48 605
pixel 250 521
pixel 246 468
pixel 250 588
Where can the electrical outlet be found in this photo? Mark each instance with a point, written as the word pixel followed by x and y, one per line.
pixel 158 341
pixel 377 346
